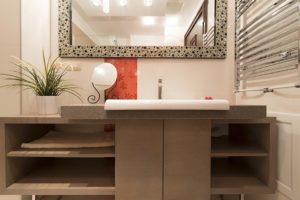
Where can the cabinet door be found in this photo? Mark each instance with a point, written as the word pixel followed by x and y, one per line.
pixel 187 159
pixel 139 159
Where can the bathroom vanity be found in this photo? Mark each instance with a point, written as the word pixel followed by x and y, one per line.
pixel 158 155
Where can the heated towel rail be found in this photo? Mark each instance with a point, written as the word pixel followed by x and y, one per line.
pixel 267 41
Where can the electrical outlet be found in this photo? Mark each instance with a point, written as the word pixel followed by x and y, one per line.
pixel 72 68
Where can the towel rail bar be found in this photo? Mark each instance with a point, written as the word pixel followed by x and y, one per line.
pixel 274 38
pixel 288 29
pixel 269 72
pixel 267 44
pixel 293 59
pixel 265 13
pixel 291 52
pixel 257 24
pixel 266 48
pixel 275 25
pixel 269 90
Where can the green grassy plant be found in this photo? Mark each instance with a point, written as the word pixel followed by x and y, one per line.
pixel 46 82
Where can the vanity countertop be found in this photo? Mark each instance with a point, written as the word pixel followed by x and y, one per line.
pixel 77 114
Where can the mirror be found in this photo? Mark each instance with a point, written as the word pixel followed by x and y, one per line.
pixel 143 28
pixel 143 23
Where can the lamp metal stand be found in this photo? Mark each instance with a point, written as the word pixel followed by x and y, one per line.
pixel 93 99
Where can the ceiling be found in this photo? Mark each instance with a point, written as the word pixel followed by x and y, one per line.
pixel 133 8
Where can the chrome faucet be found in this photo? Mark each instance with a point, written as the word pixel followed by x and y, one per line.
pixel 160 86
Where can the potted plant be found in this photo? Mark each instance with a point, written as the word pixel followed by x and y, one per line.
pixel 46 83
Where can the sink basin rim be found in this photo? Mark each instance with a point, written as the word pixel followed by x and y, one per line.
pixel 167 104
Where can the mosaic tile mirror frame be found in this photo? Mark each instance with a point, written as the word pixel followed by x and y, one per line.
pixel 216 51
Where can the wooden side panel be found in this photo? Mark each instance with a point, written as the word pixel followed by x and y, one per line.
pixel 139 159
pixel 2 158
pixel 273 155
pixel 187 149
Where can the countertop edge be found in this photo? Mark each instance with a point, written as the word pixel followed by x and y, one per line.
pixel 74 115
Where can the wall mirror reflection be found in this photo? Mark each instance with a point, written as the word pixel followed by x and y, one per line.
pixel 143 22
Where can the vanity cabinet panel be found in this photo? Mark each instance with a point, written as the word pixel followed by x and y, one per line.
pixel 187 159
pixel 139 159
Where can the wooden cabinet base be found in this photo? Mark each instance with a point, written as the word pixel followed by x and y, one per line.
pixel 153 159
pixel 139 160
pixel 187 159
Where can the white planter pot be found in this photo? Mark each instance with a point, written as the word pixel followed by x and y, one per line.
pixel 47 105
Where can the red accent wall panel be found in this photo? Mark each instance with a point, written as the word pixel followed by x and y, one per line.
pixel 126 84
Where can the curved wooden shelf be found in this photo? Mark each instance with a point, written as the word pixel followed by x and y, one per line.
pixel 64 153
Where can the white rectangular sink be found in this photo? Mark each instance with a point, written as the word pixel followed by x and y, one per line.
pixel 167 104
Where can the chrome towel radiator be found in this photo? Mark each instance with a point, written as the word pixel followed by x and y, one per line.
pixel 267 44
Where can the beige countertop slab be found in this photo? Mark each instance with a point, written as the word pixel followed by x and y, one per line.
pixel 92 114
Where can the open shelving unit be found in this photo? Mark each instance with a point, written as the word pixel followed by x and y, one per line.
pixel 84 171
pixel 149 154
pixel 243 159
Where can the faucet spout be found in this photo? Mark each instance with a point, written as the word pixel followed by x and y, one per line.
pixel 160 86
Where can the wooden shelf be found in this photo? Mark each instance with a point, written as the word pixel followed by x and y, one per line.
pixel 65 153
pixel 222 147
pixel 232 178
pixel 68 177
pixel 76 197
pixel 238 185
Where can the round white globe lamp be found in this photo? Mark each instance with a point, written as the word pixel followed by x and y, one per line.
pixel 104 77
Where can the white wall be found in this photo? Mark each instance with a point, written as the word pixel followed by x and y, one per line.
pixel 192 79
pixel 10 40
pixel 35 39
pixel 10 45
